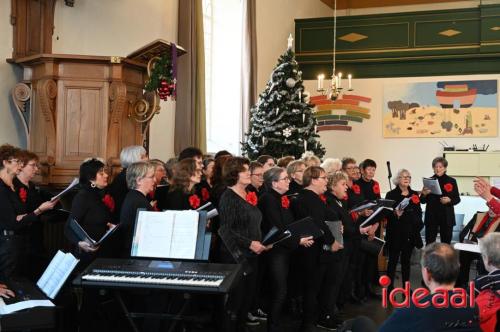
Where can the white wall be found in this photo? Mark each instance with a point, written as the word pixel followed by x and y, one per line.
pixel 11 129
pixel 118 27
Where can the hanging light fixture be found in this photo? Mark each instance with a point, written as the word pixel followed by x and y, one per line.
pixel 335 89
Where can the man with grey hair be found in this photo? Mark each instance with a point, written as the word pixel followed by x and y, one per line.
pixel 440 269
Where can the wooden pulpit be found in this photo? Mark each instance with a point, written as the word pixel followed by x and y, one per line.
pixel 81 106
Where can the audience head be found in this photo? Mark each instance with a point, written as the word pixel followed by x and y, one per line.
pixel 337 184
pixel 315 179
pixel 277 179
pixel 489 245
pixel 169 169
pixel 267 161
pixel 93 173
pixel 256 174
pixel 141 177
pixel 368 167
pixel 217 178
pixel 440 265
pixel 9 160
pixel 208 169
pixel 439 165
pixel 296 170
pixel 222 153
pixel 284 161
pixel 331 165
pixel 132 154
pixel 194 153
pixel 236 171
pixel 30 164
pixel 310 159
pixel 402 178
pixel 160 171
pixel 186 175
pixel 349 166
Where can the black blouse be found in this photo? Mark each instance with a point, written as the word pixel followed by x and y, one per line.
pixel 118 189
pixel 294 188
pixel 239 223
pixel 203 189
pixel 276 212
pixel 11 206
pixel 133 201
pixel 339 207
pixel 409 225
pixel 177 199
pixel 434 210
pixel 369 189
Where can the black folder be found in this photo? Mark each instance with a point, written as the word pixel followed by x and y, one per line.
pixel 377 215
pixel 81 235
pixel 275 235
pixel 305 228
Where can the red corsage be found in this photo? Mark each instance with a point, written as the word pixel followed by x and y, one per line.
pixel 194 201
pixel 285 202
pixel 109 202
pixel 376 188
pixel 205 195
pixel 323 198
pixel 448 187
pixel 251 198
pixel 415 199
pixel 23 194
pixel 356 189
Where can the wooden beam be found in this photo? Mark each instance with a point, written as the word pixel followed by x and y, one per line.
pixel 354 4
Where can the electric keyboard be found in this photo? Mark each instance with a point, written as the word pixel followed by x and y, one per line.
pixel 172 275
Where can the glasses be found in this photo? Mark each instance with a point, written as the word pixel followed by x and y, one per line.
pixel 259 175
pixel 33 165
pixel 284 179
pixel 406 177
pixel 321 177
pixel 14 161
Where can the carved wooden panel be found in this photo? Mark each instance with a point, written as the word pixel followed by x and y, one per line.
pixel 81 121
pixel 33 25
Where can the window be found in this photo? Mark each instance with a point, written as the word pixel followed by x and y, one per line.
pixel 222 24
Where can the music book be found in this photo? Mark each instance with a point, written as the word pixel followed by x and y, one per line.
pixel 210 208
pixel 403 204
pixel 81 235
pixel 470 247
pixel 167 234
pixel 376 216
pixel 374 204
pixel 336 229
pixel 56 273
pixel 433 185
pixel 304 228
pixel 275 235
pixel 68 188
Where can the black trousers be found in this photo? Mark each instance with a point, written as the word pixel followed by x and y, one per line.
pixel 466 259
pixel 433 226
pixel 400 246
pixel 329 279
pixel 278 267
pixel 342 287
pixel 13 256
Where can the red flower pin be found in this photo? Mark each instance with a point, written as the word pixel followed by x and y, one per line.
pixel 356 189
pixel 376 188
pixel 448 187
pixel 205 195
pixel 323 198
pixel 251 198
pixel 415 199
pixel 194 201
pixel 285 202
pixel 109 202
pixel 23 194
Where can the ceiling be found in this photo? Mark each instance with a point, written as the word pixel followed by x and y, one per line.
pixel 344 4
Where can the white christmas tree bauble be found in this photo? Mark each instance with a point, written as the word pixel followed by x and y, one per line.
pixel 290 82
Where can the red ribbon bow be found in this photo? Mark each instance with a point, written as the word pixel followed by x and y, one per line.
pixel 251 198
pixel 23 194
pixel 415 199
pixel 448 187
pixel 376 188
pixel 356 189
pixel 285 202
pixel 194 201
pixel 109 202
pixel 205 195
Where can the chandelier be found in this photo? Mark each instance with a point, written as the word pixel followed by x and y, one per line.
pixel 335 89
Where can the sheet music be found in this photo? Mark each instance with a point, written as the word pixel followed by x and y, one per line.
pixel 403 204
pixel 364 206
pixel 8 309
pixel 71 185
pixel 467 247
pixel 377 211
pixel 56 273
pixel 433 185
pixel 184 235
pixel 167 234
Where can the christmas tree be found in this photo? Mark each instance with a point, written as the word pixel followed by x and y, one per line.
pixel 282 121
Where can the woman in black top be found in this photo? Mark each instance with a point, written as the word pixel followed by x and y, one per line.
pixel 256 178
pixel 295 171
pixel 439 209
pixel 403 227
pixel 311 202
pixel 14 219
pixel 140 181
pixel 276 212
pixel 203 188
pixel 92 208
pixel 240 231
pixel 181 195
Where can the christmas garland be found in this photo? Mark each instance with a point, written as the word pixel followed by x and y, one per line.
pixel 162 78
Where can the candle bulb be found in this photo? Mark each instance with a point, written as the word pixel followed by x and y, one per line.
pixel 319 82
pixel 315 129
pixel 305 145
pixel 263 140
pixel 349 81
pixel 300 95
pixel 303 117
pixel 277 110
pixel 340 80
